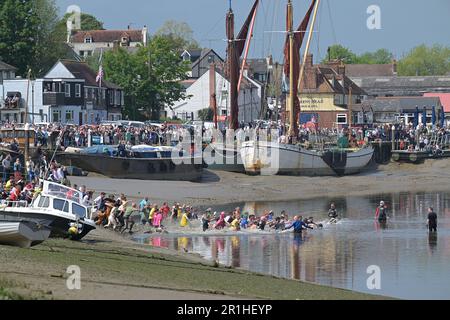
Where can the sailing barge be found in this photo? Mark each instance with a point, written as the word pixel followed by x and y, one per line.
pixel 292 158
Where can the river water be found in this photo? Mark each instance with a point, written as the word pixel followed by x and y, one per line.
pixel 413 264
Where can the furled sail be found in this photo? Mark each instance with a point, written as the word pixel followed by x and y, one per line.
pixel 299 35
pixel 234 53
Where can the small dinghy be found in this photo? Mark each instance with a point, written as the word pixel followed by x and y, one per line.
pixel 23 234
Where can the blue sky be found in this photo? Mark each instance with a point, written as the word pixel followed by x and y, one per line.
pixel 404 23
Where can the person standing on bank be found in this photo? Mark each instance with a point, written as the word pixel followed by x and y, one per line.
pixel 432 220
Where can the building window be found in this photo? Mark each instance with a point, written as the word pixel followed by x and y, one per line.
pixel 111 97
pixel 78 90
pixel 55 116
pixel 86 93
pixel 341 118
pixel 67 90
pixel 88 40
pixel 89 53
pixel 69 115
pixel 81 53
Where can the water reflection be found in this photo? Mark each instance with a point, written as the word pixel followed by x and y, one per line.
pixel 414 264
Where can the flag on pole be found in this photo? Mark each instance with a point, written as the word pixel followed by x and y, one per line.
pixel 100 73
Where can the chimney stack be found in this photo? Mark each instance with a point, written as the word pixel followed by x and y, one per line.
pixel 145 36
pixel 394 67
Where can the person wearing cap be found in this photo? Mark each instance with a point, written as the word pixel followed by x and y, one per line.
pixel 381 214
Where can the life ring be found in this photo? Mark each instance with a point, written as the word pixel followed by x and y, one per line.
pixel 413 157
pixel 395 156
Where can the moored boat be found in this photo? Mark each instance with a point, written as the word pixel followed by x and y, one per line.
pixel 58 204
pixel 24 233
pixel 141 162
pixel 287 159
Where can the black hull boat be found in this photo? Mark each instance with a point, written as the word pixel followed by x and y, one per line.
pixel 24 233
pixel 148 165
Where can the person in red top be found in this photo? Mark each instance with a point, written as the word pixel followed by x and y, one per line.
pixel 165 210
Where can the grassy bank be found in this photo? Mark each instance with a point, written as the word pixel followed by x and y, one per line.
pixel 132 270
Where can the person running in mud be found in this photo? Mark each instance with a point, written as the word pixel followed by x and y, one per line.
pixel 332 213
pixel 381 213
pixel 129 223
pixel 205 221
pixel 432 220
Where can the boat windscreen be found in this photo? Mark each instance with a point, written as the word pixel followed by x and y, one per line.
pixel 61 191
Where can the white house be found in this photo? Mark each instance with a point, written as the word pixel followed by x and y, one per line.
pixel 200 91
pixel 17 94
pixel 86 43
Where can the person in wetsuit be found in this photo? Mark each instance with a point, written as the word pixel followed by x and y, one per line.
pixel 381 213
pixel 332 213
pixel 432 220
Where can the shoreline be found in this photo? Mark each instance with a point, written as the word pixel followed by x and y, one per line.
pixel 220 188
pixel 114 267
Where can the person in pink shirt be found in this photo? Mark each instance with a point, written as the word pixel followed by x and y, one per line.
pixel 157 219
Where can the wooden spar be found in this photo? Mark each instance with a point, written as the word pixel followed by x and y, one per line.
pixel 350 115
pixel 302 68
pixel 233 112
pixel 290 106
pixel 247 48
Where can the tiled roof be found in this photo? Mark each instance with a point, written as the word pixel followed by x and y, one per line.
pixel 444 97
pixel 5 66
pixel 369 70
pixel 107 35
pixel 82 71
pixel 401 104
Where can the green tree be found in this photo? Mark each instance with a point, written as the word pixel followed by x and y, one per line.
pixel 87 22
pixel 180 34
pixel 18 22
pixel 381 56
pixel 340 53
pixel 206 114
pixel 150 77
pixel 425 61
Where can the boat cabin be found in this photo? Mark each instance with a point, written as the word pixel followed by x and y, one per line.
pixel 9 134
pixel 55 196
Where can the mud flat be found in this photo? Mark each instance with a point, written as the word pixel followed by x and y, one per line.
pixel 224 187
pixel 114 267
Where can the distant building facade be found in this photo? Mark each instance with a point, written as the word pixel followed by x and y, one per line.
pixel 7 72
pixel 389 110
pixel 200 91
pixel 325 94
pixel 68 93
pixel 200 60
pixel 86 43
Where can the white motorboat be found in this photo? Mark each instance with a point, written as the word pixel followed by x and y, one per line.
pixel 60 205
pixel 23 234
